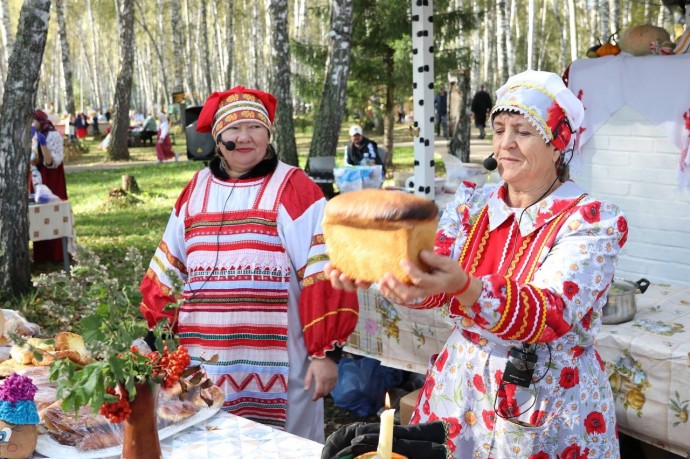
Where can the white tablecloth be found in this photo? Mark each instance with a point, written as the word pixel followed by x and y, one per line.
pixel 51 221
pixel 227 436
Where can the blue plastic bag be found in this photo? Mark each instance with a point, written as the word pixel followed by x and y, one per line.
pixel 362 385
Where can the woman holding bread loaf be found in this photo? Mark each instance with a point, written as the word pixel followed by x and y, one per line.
pixel 245 240
pixel 523 269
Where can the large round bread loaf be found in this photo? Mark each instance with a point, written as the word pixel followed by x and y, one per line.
pixel 369 232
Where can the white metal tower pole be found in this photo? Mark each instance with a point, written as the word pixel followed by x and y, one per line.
pixel 423 94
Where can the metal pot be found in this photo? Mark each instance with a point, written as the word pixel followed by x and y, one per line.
pixel 620 301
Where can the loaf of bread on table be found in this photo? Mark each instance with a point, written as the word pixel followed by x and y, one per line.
pixel 368 232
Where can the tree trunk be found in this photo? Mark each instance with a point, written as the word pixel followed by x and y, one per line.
pixel 230 43
pixel 66 62
pixel 141 20
pixel 7 39
pixel 501 33
pixel 189 55
pixel 284 129
pixel 129 184
pixel 391 112
pixel 177 45
pixel 603 7
pixel 572 17
pixel 331 107
pixel 95 77
pixel 161 46
pixel 23 73
pixel 123 90
pixel 556 7
pixel 205 63
pixel 615 16
pixel 460 142
pixel 530 35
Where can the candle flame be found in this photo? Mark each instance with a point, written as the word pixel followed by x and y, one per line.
pixel 388 401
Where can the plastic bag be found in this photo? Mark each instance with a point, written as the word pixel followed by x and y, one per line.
pixel 362 385
pixel 358 178
pixel 44 195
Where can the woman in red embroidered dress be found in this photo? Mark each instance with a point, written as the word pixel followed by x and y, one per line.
pixel 524 269
pixel 245 239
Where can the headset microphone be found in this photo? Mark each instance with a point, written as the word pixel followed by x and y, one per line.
pixel 229 145
pixel 490 163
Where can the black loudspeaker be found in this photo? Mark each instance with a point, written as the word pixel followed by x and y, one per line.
pixel 200 145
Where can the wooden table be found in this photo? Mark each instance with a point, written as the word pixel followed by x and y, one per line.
pixel 51 221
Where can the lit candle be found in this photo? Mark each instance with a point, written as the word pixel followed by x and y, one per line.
pixel 385 447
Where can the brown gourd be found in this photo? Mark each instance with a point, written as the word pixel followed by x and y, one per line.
pixel 636 40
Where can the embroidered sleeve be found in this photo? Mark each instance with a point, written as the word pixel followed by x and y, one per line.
pixel 168 263
pixel 568 288
pixel 328 315
pixel 451 236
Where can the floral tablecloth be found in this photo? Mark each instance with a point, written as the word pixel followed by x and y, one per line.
pixel 399 337
pixel 648 361
pixel 227 436
pixel 648 358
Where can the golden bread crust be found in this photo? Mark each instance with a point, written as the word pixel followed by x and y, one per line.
pixel 369 232
pixel 361 208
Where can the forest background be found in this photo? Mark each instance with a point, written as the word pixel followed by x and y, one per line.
pixel 327 61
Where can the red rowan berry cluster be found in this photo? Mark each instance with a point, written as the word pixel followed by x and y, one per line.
pixel 117 411
pixel 170 365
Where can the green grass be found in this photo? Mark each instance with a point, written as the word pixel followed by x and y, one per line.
pixel 109 226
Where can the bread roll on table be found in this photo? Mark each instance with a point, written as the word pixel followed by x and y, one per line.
pixel 368 232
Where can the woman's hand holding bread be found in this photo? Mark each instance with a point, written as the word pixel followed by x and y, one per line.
pixel 444 276
pixel 340 281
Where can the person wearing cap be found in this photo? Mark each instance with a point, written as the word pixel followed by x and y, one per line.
pixel 361 151
pixel 523 269
pixel 245 241
pixel 47 155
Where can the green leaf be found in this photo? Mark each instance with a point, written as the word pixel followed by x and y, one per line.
pixel 117 368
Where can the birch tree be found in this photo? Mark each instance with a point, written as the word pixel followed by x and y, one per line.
pixel 324 141
pixel 23 72
pixel 230 44
pixel 95 80
pixel 614 16
pixel 189 33
pixel 6 40
pixel 501 33
pixel 177 44
pixel 530 34
pixel 66 60
pixel 141 20
pixel 572 15
pixel 284 129
pixel 123 88
pixel 604 15
pixel 203 34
